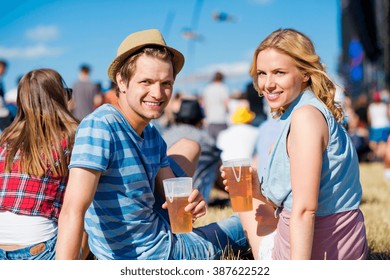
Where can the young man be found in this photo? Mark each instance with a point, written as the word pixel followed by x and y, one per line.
pixel 119 161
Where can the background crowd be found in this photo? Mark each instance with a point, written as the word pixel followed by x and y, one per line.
pixel 239 115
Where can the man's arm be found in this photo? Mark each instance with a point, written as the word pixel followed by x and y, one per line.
pixel 79 194
pixel 163 173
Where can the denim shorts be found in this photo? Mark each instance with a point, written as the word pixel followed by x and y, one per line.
pixel 379 134
pixel 40 251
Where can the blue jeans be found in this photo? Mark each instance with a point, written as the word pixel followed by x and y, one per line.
pixel 40 251
pixel 209 242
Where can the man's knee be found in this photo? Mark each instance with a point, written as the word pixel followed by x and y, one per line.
pixel 185 153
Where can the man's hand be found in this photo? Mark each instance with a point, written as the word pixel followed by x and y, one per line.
pixel 196 205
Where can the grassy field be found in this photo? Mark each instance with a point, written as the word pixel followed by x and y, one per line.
pixel 375 206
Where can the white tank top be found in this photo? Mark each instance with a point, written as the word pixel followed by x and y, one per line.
pixel 25 230
pixel 379 115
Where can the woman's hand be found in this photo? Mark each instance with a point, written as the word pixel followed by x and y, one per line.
pixel 255 181
pixel 256 186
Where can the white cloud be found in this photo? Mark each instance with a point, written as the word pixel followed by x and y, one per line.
pixel 39 34
pixel 43 33
pixel 31 52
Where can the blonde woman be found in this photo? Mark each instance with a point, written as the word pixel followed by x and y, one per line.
pixel 312 178
pixel 34 156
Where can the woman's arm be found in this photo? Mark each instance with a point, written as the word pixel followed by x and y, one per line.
pixel 306 143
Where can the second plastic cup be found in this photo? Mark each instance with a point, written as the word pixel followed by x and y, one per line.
pixel 240 184
pixel 177 191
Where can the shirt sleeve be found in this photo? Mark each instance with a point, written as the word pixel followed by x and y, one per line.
pixel 92 145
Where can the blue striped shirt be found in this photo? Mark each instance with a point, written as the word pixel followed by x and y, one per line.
pixel 121 222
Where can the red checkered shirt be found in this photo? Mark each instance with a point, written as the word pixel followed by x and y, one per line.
pixel 31 195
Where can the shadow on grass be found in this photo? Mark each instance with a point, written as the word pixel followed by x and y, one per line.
pixel 379 256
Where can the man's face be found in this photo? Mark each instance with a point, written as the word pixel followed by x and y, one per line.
pixel 148 92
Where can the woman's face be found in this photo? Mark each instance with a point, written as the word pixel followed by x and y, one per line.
pixel 278 78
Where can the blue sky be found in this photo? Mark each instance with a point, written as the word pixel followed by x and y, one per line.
pixel 63 34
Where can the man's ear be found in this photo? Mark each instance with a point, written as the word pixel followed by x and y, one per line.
pixel 120 83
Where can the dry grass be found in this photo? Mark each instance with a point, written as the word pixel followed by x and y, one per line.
pixel 375 206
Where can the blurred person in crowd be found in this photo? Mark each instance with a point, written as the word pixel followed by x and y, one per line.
pixel 378 114
pixel 239 139
pixel 256 104
pixel 215 99
pixel 236 99
pixel 312 179
pixel 5 114
pixel 86 94
pixel 34 156
pixel 268 133
pixel 3 69
pixel 360 106
pixel 10 98
pixel 111 95
pixel 115 184
pixel 359 135
pixel 189 124
pixel 387 161
pixel 99 98
pixel 168 117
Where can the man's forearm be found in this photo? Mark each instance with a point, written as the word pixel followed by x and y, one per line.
pixel 70 232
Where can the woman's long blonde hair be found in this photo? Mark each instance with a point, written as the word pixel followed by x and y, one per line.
pixel 301 49
pixel 42 123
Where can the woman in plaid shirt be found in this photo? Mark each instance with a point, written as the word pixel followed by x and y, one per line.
pixel 34 157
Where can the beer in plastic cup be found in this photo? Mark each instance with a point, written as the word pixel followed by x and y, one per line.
pixel 240 184
pixel 177 191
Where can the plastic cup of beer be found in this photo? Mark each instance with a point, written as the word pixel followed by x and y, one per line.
pixel 177 191
pixel 240 183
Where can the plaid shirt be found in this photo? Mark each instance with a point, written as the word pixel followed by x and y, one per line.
pixel 31 195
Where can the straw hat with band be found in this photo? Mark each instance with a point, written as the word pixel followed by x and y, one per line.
pixel 137 41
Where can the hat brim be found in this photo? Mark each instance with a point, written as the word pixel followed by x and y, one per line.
pixel 177 61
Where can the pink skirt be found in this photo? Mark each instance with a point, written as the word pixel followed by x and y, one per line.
pixel 340 236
